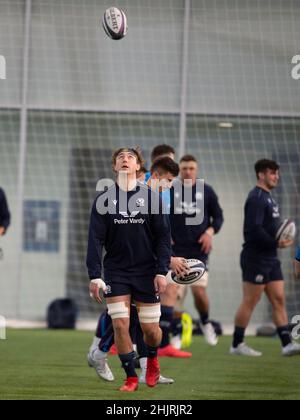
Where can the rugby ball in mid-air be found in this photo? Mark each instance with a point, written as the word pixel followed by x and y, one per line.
pixel 115 23
pixel 196 272
pixel 286 231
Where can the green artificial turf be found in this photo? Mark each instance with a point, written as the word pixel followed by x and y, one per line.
pixel 52 365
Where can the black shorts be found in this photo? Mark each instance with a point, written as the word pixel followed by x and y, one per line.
pixel 261 271
pixel 141 288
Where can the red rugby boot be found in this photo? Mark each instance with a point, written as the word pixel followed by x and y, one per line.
pixel 113 351
pixel 153 372
pixel 170 351
pixel 130 385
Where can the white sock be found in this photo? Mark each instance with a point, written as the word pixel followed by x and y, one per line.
pixel 95 345
pixel 143 363
pixel 99 355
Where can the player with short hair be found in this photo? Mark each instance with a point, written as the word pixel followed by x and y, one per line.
pixel 159 152
pixel 162 150
pixel 178 265
pixel 4 213
pixel 163 172
pixel 260 265
pixel 297 263
pixel 195 242
pixel 138 244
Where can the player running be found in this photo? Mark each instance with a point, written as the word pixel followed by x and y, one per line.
pixel 261 267
pixel 137 239
pixel 195 242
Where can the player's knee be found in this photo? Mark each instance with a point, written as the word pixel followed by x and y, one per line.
pixel 121 329
pixel 152 333
pixel 278 302
pixel 252 301
pixel 199 292
pixel 120 324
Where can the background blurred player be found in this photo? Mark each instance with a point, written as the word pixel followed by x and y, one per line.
pixel 196 241
pixel 169 298
pixel 4 213
pixel 297 263
pixel 137 261
pixel 260 264
pixel 163 150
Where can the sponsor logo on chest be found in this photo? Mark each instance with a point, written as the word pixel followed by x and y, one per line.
pixel 274 209
pixel 129 219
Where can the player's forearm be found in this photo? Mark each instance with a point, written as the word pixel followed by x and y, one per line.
pixel 164 255
pixel 93 263
pixel 97 235
pixel 163 248
pixel 6 222
pixel 94 256
pixel 5 218
pixel 260 236
pixel 217 221
pixel 4 211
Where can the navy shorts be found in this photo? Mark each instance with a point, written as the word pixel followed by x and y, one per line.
pixel 261 271
pixel 141 288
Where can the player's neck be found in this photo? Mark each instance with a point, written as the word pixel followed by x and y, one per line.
pixel 126 182
pixel 263 187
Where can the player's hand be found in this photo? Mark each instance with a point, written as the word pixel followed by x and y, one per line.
pixel 285 244
pixel 160 284
pixel 206 241
pixel 2 231
pixel 179 266
pixel 95 287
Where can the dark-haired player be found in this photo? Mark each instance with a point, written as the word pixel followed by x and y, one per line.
pixel 261 267
pixel 137 239
pixel 195 242
pixel 178 264
pixel 162 150
pixel 159 152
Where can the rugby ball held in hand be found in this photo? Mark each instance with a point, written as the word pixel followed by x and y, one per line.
pixel 115 23
pixel 286 231
pixel 196 272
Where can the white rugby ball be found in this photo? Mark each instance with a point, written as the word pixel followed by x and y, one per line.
pixel 287 231
pixel 196 272
pixel 115 23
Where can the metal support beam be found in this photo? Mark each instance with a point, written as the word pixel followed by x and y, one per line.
pixel 184 80
pixel 22 155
